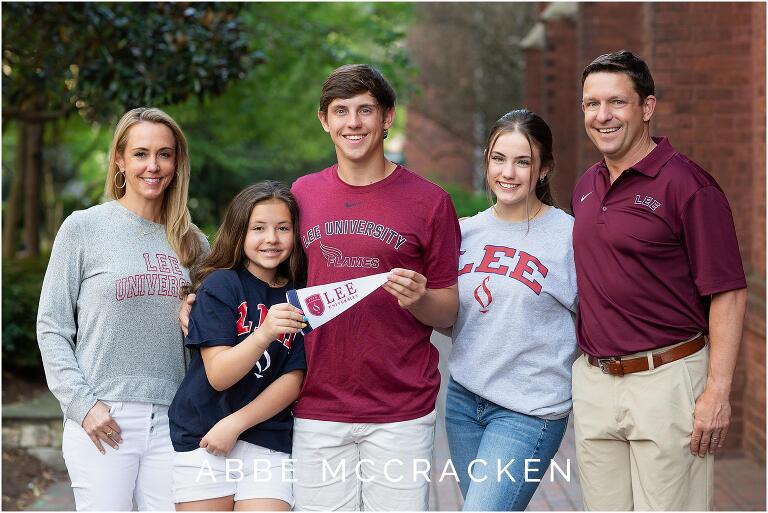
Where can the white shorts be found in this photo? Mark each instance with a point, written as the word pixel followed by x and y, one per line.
pixel 357 466
pixel 248 472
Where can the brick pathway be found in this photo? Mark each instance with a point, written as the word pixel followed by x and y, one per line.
pixel 739 483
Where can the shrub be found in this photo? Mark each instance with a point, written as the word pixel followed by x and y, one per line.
pixel 467 203
pixel 22 281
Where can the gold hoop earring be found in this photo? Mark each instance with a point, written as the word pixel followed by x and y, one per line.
pixel 120 173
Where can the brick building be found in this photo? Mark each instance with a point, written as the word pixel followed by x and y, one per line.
pixel 708 62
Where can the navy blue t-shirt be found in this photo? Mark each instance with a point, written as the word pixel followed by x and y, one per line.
pixel 230 304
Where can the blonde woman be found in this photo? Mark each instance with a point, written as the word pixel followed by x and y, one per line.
pixel 107 322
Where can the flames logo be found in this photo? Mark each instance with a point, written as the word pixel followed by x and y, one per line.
pixel 315 304
pixel 486 298
pixel 335 258
pixel 331 254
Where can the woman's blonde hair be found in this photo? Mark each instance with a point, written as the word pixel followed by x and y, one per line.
pixel 183 236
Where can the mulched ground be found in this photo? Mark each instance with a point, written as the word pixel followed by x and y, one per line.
pixel 24 476
pixel 24 479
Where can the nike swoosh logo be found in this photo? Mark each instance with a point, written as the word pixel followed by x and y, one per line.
pixel 585 196
pixel 350 205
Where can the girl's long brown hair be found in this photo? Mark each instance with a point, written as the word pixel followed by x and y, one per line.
pixel 227 251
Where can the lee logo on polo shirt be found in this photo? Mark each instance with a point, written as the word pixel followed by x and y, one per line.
pixel 647 201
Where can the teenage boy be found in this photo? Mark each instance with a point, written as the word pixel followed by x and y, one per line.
pixel 366 414
pixel 661 305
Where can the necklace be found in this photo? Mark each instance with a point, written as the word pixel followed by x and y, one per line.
pixel 538 212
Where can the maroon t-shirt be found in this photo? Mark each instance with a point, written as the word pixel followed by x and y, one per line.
pixel 374 362
pixel 650 249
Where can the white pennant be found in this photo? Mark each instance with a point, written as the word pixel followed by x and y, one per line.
pixel 322 303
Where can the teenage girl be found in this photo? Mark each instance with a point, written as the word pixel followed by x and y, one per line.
pixel 514 339
pixel 231 419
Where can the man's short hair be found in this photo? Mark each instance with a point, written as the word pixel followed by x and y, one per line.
pixel 353 79
pixel 624 62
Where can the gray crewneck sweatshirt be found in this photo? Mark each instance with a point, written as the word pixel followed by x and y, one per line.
pixel 514 339
pixel 107 325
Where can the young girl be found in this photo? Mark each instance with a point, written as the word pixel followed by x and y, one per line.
pixel 514 338
pixel 231 420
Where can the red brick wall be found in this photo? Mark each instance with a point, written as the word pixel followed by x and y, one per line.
pixel 754 408
pixel 439 143
pixel 434 152
pixel 562 97
pixel 535 98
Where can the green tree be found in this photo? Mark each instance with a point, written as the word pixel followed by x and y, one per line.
pixel 266 125
pixel 98 60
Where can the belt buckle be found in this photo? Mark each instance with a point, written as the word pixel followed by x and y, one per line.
pixel 601 362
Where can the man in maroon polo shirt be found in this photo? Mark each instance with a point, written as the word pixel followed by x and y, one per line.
pixel 662 295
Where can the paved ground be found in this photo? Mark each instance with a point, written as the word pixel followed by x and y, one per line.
pixel 739 483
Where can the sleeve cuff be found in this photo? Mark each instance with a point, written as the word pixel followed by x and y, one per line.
pixel 79 408
pixel 296 366
pixel 716 288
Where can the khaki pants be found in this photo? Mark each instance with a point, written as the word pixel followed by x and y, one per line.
pixel 633 437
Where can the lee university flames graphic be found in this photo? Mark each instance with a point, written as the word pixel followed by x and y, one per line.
pixel 487 298
pixel 322 303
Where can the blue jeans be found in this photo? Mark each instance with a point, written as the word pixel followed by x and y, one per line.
pixel 481 430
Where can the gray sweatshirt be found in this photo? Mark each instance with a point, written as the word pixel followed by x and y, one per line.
pixel 514 339
pixel 107 325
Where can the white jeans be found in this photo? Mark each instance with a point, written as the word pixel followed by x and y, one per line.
pixel 141 469
pixel 369 467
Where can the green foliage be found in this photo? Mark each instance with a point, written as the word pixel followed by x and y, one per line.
pixel 266 125
pixel 22 281
pixel 467 203
pixel 80 159
pixel 103 58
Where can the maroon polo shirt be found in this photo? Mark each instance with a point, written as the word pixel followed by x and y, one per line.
pixel 650 249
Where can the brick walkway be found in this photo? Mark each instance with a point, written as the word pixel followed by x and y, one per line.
pixel 739 483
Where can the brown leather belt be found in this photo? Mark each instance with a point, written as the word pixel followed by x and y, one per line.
pixel 616 366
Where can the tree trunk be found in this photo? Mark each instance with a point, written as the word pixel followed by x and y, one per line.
pixel 33 153
pixel 11 214
pixel 51 166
